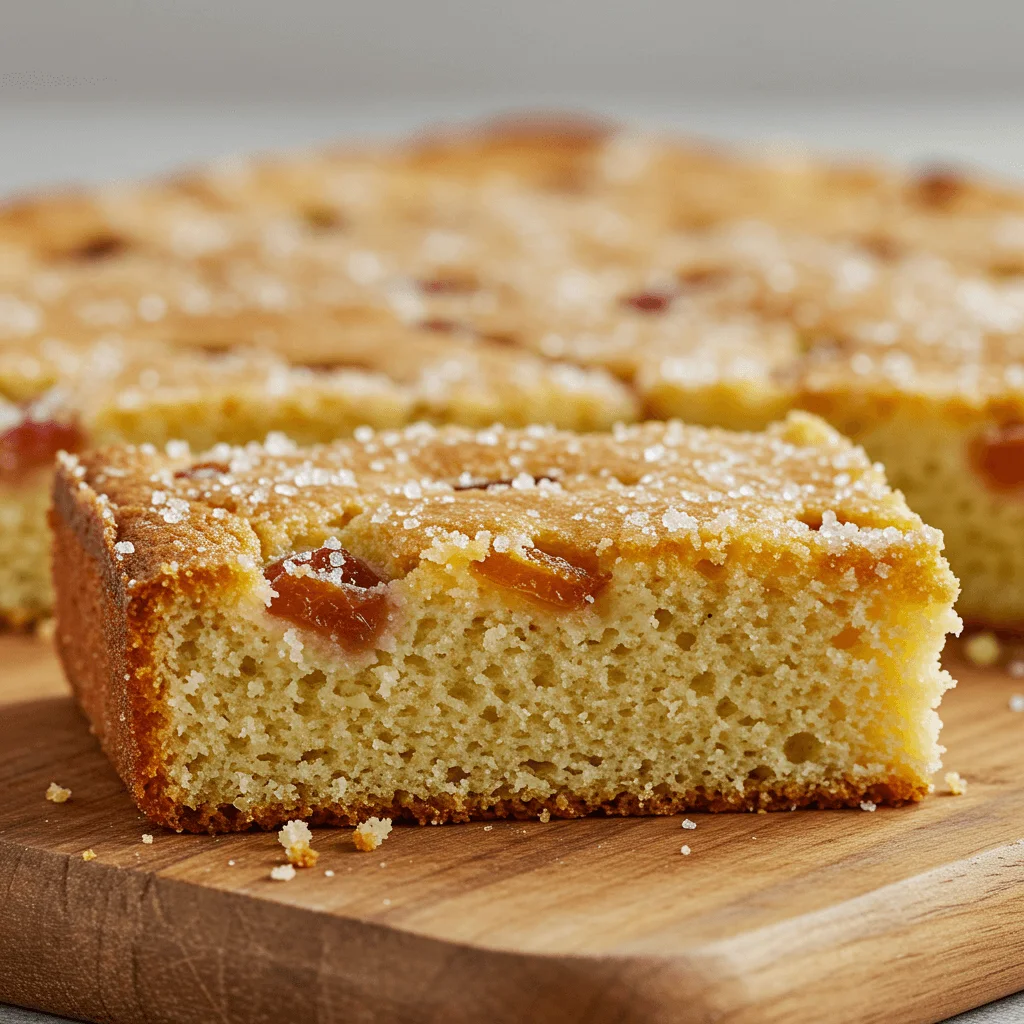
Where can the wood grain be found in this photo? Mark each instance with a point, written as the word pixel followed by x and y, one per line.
pixel 904 915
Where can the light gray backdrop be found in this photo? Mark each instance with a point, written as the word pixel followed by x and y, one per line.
pixel 319 49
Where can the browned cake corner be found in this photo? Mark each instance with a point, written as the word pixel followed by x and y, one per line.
pixel 440 624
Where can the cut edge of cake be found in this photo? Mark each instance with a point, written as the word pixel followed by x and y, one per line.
pixel 722 663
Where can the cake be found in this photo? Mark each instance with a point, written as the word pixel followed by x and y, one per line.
pixel 438 624
pixel 557 273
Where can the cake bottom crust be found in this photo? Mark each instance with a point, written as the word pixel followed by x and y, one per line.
pixel 844 793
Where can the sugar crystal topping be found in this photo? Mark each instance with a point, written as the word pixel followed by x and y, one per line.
pixel 460 274
pixel 400 496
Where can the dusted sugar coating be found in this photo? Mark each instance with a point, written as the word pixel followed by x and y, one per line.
pixel 535 273
pixel 651 620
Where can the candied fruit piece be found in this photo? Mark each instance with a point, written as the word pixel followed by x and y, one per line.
pixel 649 302
pixel 441 326
pixel 998 457
pixel 939 188
pixel 332 592
pixel 33 443
pixel 544 577
pixel 99 247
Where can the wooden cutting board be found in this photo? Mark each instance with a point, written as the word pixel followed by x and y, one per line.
pixel 902 915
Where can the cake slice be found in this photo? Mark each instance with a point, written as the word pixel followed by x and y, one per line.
pixel 437 624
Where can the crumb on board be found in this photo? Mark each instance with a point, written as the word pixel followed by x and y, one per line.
pixel 88 854
pixel 294 833
pixel 231 863
pixel 544 816
pixel 328 873
pixel 295 837
pixel 868 805
pixel 282 872
pixel 487 828
pixel 1017 702
pixel 684 850
pixel 147 838
pixel 689 824
pixel 57 794
pixel 369 834
pixel 956 783
pixel 46 629
pixel 302 856
pixel 983 649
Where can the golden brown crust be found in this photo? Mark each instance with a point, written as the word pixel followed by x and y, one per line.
pixel 842 793
pixel 798 492
pixel 102 639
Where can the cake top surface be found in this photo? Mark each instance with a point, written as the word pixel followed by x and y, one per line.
pixel 398 497
pixel 547 249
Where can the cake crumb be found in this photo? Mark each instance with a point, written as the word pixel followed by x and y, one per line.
pixel 302 856
pixel 147 838
pixel 231 863
pixel 487 828
pixel 294 833
pixel 983 649
pixel 57 794
pixel 868 805
pixel 371 833
pixel 295 837
pixel 544 816
pixel 684 850
pixel 282 872
pixel 956 782
pixel 689 824
pixel 88 855
pixel 1017 702
pixel 328 873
